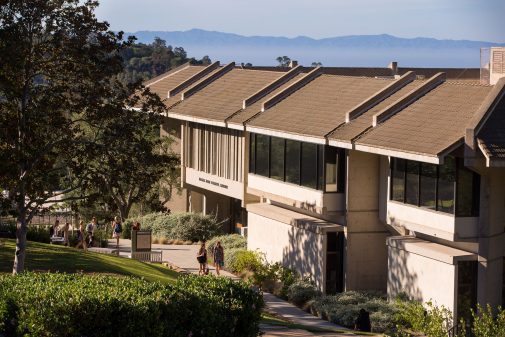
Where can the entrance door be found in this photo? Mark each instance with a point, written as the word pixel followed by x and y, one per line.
pixel 334 262
pixel 467 288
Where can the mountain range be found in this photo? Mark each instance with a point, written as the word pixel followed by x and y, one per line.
pixel 353 50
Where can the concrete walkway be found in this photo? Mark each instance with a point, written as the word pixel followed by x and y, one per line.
pixel 184 257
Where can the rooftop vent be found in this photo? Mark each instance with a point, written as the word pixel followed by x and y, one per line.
pixel 492 64
pixel 293 63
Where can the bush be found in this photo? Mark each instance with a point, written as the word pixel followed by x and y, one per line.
pixel 302 291
pixel 84 305
pixel 245 260
pixel 343 309
pixel 177 226
pixel 486 324
pixel 229 241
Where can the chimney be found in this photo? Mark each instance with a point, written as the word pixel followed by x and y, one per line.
pixel 496 65
pixel 293 63
pixel 394 67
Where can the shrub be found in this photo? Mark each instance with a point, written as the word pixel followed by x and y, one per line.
pixel 302 291
pixel 246 260
pixel 484 323
pixel 178 226
pixel 229 241
pixel 84 305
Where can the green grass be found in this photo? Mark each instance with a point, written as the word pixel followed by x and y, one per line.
pixel 269 319
pixel 54 258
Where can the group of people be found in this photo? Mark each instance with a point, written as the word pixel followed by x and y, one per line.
pixel 86 233
pixel 217 256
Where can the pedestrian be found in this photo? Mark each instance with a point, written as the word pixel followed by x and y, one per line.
pixel 65 233
pixel 90 228
pixel 202 259
pixel 362 323
pixel 218 256
pixel 117 229
pixel 81 240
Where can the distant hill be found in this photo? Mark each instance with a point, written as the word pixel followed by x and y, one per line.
pixel 354 50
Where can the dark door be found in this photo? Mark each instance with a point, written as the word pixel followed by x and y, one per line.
pixel 467 288
pixel 335 263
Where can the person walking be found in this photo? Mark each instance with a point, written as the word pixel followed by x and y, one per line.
pixel 81 239
pixel 65 233
pixel 117 229
pixel 202 259
pixel 218 256
pixel 90 228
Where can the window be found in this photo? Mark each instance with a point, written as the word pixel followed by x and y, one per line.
pixel 398 180
pixel 412 183
pixel 428 197
pixel 262 155
pixel 446 185
pixel 449 188
pixel 277 158
pixel 293 161
pixel 309 165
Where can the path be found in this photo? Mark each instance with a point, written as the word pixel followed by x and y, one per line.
pixel 184 257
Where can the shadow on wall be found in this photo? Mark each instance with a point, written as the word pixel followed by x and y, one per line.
pixel 400 279
pixel 303 251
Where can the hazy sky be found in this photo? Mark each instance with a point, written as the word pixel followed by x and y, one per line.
pixel 443 19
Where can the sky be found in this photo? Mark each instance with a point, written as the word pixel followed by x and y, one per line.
pixel 482 20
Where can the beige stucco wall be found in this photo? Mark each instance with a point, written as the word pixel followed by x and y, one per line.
pixel 297 248
pixel 366 251
pixel 421 278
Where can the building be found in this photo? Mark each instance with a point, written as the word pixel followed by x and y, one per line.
pixel 390 179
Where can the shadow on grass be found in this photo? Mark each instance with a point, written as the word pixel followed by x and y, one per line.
pixel 45 257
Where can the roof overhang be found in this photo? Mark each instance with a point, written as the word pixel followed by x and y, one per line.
pixel 432 159
pixel 196 119
pixel 287 135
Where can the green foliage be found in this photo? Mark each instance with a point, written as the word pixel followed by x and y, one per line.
pixel 302 291
pixel 246 260
pixel 485 324
pixel 275 278
pixel 343 309
pixel 229 241
pixel 80 305
pixel 179 226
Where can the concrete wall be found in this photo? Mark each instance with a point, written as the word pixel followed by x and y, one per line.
pixel 207 202
pixel 172 128
pixel 421 278
pixel 491 236
pixel 297 248
pixel 366 251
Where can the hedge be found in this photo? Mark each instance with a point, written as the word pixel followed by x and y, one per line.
pixel 94 305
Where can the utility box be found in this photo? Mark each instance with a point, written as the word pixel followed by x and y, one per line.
pixel 141 241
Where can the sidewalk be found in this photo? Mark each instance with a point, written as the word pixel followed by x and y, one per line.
pixel 184 257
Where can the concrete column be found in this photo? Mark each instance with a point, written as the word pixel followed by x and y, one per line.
pixel 366 251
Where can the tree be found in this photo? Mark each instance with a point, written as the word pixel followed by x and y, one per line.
pixel 284 61
pixel 316 64
pixel 57 60
pixel 126 158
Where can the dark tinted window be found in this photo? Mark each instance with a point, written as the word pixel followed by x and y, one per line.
pixel 331 169
pixel 292 161
pixel 412 184
pixel 262 154
pixel 277 158
pixel 428 196
pixel 252 153
pixel 398 180
pixel 468 195
pixel 309 165
pixel 446 185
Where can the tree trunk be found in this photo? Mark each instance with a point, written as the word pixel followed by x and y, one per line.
pixel 124 210
pixel 21 230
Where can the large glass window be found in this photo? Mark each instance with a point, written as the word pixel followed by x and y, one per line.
pixel 309 165
pixel 292 161
pixel 449 188
pixel 446 185
pixel 262 155
pixel 315 166
pixel 428 197
pixel 398 179
pixel 277 158
pixel 412 183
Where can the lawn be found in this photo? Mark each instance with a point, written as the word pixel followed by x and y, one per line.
pixel 54 258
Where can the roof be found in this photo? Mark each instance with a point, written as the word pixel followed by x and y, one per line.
pixel 243 115
pixel 347 132
pixel 491 137
pixel 223 97
pixel 430 125
pixel 319 106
